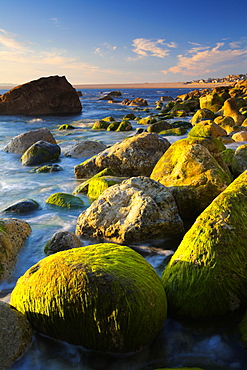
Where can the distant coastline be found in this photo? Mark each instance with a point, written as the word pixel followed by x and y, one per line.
pixel 146 85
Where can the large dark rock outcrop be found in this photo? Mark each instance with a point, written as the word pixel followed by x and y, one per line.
pixel 47 95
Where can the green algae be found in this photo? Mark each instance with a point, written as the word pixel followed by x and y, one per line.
pixel 66 126
pixel 83 187
pixel 97 185
pixel 100 125
pixel 65 200
pixel 207 275
pixel 105 297
pixel 125 125
pixel 177 131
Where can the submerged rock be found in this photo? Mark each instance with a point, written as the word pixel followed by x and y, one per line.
pixel 23 206
pixel 134 156
pixel 19 144
pixel 105 297
pixel 137 209
pixel 13 233
pixel 47 95
pixel 15 335
pixel 207 275
pixel 40 152
pixel 193 176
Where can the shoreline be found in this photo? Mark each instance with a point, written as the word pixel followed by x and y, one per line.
pixel 146 85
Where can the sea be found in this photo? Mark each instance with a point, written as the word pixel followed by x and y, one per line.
pixel 210 345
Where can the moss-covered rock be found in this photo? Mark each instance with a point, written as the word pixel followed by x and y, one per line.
pixel 22 206
pixel 97 185
pixel 207 128
pixel 15 335
pixel 66 126
pixel 201 115
pixel 149 120
pixel 83 187
pixel 125 125
pixel 129 116
pixel 184 124
pixel 239 160
pixel 13 233
pixel 207 275
pixel 100 125
pixel 40 152
pixel 193 176
pixel 177 131
pixel 231 109
pixel 47 168
pixel 105 297
pixel 212 101
pixel 159 126
pixel 65 200
pixel 113 126
pixel 227 156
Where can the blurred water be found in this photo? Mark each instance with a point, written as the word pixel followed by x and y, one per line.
pixel 212 346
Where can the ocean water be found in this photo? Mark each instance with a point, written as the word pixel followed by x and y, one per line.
pixel 209 345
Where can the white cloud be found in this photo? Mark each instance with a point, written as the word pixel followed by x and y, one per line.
pixel 104 49
pixel 144 48
pixel 206 59
pixel 8 41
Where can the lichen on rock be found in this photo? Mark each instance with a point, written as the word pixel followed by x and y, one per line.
pixel 105 297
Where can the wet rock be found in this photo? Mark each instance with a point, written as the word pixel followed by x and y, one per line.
pixel 62 240
pixel 159 126
pixel 40 152
pixel 104 297
pixel 202 115
pixel 209 268
pixel 47 95
pixel 65 200
pixel 230 108
pixel 134 156
pixel 13 233
pixel 205 129
pixel 47 168
pixel 193 176
pixel 240 136
pixel 139 102
pixel 86 148
pixel 19 144
pixel 137 209
pixel 83 187
pixel 239 160
pixel 15 335
pixel 23 206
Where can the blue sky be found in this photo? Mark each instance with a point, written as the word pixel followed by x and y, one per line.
pixel 128 41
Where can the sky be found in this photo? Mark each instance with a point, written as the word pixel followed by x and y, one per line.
pixel 127 41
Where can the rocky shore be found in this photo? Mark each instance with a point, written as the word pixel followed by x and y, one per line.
pixel 105 296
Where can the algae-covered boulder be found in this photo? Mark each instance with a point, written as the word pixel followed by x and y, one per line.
pixel 13 233
pixel 239 160
pixel 201 115
pixel 134 156
pixel 137 209
pixel 40 152
pixel 83 187
pixel 105 297
pixel 193 176
pixel 65 200
pixel 207 275
pixel 230 108
pixel 66 126
pixel 15 335
pixel 212 101
pixel 97 185
pixel 62 240
pixel 159 126
pixel 206 128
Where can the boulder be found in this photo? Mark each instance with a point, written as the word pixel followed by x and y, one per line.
pixel 22 206
pixel 240 136
pixel 205 129
pixel 209 268
pixel 159 126
pixel 47 168
pixel 193 176
pixel 202 115
pixel 212 101
pixel 97 185
pixel 13 233
pixel 137 209
pixel 65 200
pixel 47 95
pixel 139 102
pixel 19 144
pixel 239 160
pixel 83 187
pixel 134 156
pixel 85 148
pixel 15 335
pixel 62 240
pixel 230 108
pixel 40 152
pixel 104 297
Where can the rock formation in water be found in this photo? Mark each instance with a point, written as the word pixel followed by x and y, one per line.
pixel 47 95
